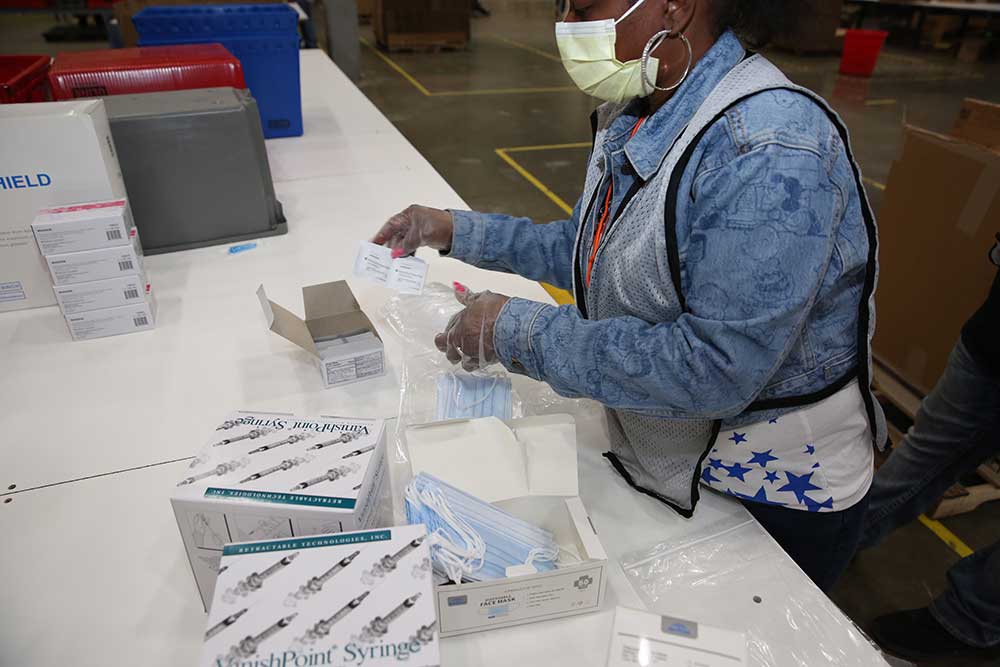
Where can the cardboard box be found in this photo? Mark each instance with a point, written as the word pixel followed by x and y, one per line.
pixel 361 598
pixel 112 321
pixel 979 123
pixel 526 467
pixel 937 223
pixel 101 294
pixel 250 483
pixel 90 265
pixel 643 638
pixel 405 24
pixel 54 153
pixel 78 227
pixel 336 332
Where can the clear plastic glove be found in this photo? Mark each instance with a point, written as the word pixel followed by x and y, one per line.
pixel 468 338
pixel 416 227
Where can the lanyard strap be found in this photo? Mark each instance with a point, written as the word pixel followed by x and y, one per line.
pixel 599 231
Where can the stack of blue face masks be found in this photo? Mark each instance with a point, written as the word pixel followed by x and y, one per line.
pixel 472 540
pixel 473 395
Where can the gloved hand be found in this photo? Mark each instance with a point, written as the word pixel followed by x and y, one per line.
pixel 415 227
pixel 468 338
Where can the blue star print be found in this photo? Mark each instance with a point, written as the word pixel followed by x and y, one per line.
pixel 814 506
pixel 815 465
pixel 716 464
pixel 760 497
pixel 772 421
pixel 738 471
pixel 738 437
pixel 771 476
pixel 762 458
pixel 708 476
pixel 799 485
pixel 810 449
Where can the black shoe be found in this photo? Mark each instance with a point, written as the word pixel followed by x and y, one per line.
pixel 479 9
pixel 916 635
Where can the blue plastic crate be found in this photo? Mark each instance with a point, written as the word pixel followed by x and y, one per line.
pixel 264 38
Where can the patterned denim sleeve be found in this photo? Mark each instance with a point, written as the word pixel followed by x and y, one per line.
pixel 516 245
pixel 757 249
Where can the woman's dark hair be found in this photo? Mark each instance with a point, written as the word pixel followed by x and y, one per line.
pixel 757 22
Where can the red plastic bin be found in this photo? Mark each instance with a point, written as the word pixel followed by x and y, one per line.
pixel 25 4
pixel 22 79
pixel 861 51
pixel 144 70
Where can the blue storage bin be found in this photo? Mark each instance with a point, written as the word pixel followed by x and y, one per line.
pixel 265 39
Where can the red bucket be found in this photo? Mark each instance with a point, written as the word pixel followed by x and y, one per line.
pixel 861 50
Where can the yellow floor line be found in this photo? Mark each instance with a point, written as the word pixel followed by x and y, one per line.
pixel 880 103
pixel 402 72
pixel 546 147
pixel 530 49
pixel 875 184
pixel 946 536
pixel 528 176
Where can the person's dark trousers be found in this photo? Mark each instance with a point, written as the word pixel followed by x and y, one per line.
pixel 821 543
pixel 956 429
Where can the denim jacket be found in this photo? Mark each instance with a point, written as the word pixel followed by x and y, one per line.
pixel 772 247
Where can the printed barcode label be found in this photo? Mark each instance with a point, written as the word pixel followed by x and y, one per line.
pixel 141 321
pixel 131 294
pixel 114 234
pixel 125 266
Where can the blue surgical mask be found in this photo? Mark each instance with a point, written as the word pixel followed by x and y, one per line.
pixel 463 395
pixel 472 540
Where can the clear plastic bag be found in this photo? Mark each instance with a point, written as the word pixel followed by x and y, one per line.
pixel 417 319
pixel 727 575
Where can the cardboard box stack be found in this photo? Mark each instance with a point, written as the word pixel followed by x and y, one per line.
pixel 95 260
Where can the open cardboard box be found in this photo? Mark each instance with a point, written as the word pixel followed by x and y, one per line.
pixel 528 468
pixel 336 332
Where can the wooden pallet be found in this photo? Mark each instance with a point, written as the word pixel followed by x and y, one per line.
pixel 958 499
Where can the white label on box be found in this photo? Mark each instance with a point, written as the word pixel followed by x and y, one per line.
pixel 111 321
pixel 404 274
pixel 11 291
pixel 642 639
pixel 91 265
pixel 84 297
pixel 358 368
pixel 83 227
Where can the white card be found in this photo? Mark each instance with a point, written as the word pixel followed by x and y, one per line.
pixel 642 639
pixel 375 263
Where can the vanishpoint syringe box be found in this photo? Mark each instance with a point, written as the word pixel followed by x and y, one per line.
pixel 101 294
pixel 113 321
pixel 358 598
pixel 88 226
pixel 81 267
pixel 267 476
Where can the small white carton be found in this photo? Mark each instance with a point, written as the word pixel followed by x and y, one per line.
pixel 53 153
pixel 274 476
pixel 113 321
pixel 643 638
pixel 359 598
pixel 336 332
pixel 89 265
pixel 527 467
pixel 101 294
pixel 89 226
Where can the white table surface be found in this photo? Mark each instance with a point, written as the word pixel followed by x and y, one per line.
pixel 94 572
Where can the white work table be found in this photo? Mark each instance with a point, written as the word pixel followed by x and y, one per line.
pixel 94 572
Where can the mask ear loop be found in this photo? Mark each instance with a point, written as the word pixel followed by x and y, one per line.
pixel 469 406
pixel 653 44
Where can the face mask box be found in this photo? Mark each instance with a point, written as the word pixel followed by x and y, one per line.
pixel 113 321
pixel 78 227
pixel 89 265
pixel 53 154
pixel 276 476
pixel 643 638
pixel 527 467
pixel 336 332
pixel 360 598
pixel 102 294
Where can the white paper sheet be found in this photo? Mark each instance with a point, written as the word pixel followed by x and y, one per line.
pixel 375 263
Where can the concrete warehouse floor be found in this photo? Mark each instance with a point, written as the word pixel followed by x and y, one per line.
pixel 508 90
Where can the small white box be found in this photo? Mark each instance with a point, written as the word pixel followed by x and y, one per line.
pixel 53 153
pixel 274 476
pixel 100 294
pixel 641 638
pixel 360 598
pixel 91 265
pixel 112 321
pixel 336 332
pixel 526 467
pixel 78 227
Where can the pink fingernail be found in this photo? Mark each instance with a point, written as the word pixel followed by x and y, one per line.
pixel 397 253
pixel 459 287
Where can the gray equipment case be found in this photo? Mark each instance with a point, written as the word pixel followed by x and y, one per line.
pixel 195 168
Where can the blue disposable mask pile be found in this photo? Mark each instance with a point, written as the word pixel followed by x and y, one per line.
pixel 473 395
pixel 471 540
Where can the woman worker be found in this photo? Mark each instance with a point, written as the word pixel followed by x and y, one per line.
pixel 723 261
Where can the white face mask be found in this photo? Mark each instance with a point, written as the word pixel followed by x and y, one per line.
pixel 588 53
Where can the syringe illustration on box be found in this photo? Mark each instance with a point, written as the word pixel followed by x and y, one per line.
pixel 276 475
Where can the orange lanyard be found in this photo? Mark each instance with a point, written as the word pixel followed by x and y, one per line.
pixel 599 232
